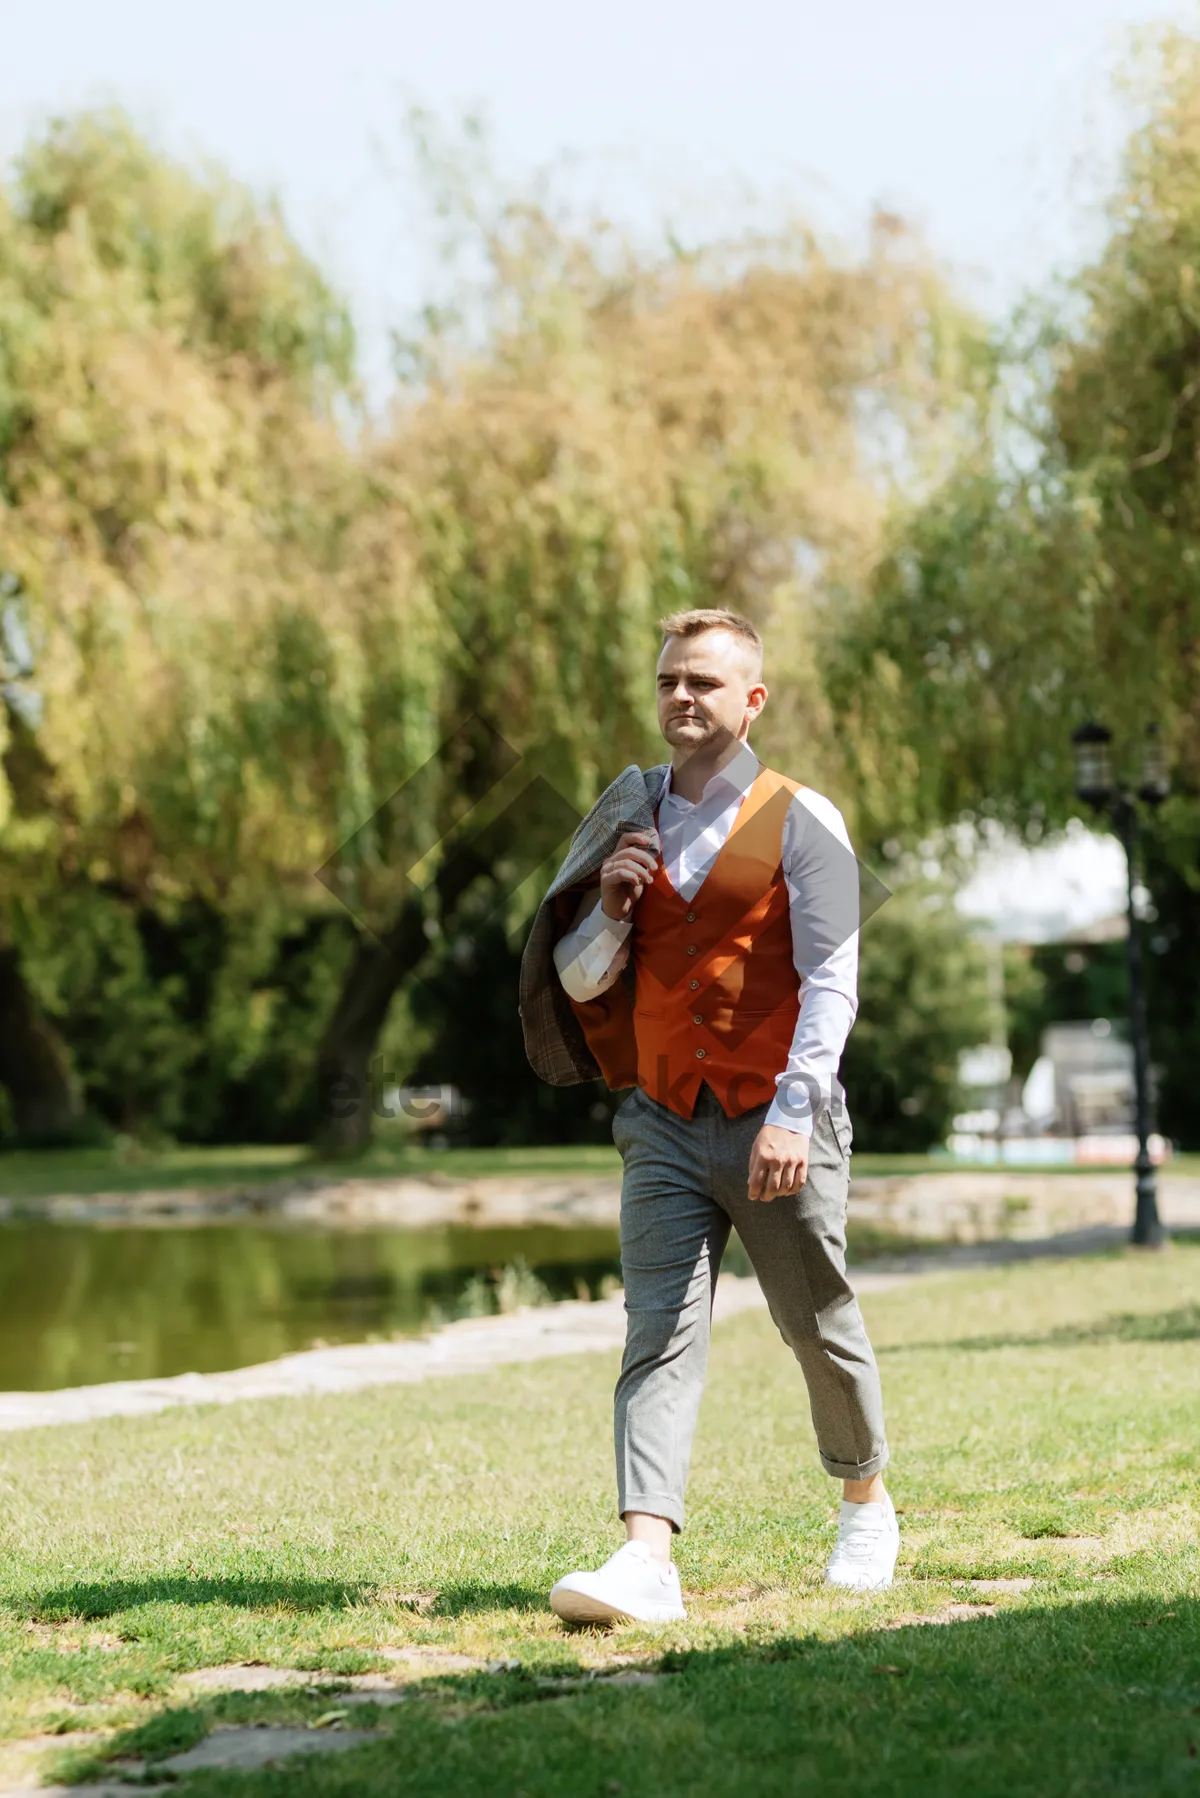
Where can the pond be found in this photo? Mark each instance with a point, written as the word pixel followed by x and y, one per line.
pixel 84 1304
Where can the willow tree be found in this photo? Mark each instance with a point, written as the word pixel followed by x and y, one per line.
pixel 1055 575
pixel 242 650
pixel 174 494
pixel 613 436
pixel 637 433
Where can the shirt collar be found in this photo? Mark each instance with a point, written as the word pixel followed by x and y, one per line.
pixel 738 775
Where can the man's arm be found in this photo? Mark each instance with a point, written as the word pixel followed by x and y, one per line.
pixel 589 957
pixel 592 953
pixel 822 877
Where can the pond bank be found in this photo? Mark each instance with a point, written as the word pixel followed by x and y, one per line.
pixel 474 1345
pixel 963 1205
pixel 470 1345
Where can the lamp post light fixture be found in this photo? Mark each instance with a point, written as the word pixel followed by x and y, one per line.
pixel 1097 786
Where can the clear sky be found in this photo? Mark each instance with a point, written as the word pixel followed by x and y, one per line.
pixel 989 125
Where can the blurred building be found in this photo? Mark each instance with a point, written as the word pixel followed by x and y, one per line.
pixel 1077 1102
pixel 1082 1082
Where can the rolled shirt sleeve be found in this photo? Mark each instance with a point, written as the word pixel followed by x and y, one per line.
pixel 589 957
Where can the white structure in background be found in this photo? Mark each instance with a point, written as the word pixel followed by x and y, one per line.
pixel 420 1108
pixel 1077 1101
pixel 1071 890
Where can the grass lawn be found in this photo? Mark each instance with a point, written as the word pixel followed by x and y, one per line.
pixel 41 1173
pixel 1044 1425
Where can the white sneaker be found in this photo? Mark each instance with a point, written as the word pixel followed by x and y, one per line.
pixel 868 1541
pixel 632 1584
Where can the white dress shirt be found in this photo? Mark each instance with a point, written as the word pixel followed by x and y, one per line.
pixel 822 882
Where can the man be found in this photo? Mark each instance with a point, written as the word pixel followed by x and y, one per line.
pixel 711 965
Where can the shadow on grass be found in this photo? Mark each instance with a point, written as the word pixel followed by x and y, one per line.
pixel 1179 1325
pixel 96 1598
pixel 93 1599
pixel 471 1596
pixel 1094 1695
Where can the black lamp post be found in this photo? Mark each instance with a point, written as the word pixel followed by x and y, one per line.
pixel 1096 785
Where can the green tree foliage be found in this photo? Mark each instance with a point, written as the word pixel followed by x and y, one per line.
pixel 1055 574
pixel 183 1019
pixel 203 626
pixel 235 634
pixel 923 998
pixel 592 437
pixel 636 433
pixel 165 349
pixel 961 669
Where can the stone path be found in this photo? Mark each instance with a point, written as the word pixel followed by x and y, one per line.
pixel 473 1345
pixel 246 1748
pixel 243 1748
pixel 231 1748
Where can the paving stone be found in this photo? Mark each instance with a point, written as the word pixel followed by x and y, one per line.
pixel 576 1682
pixel 225 1747
pixel 245 1749
pixel 423 1660
pixel 238 1677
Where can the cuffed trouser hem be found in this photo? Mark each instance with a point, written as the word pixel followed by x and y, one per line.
pixel 655 1504
pixel 857 1470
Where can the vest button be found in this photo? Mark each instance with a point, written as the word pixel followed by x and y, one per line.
pixel 691 948
pixel 691 917
pixel 693 984
pixel 696 1018
pixel 699 1053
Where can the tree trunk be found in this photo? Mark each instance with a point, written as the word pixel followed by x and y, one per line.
pixel 468 766
pixel 34 1065
pixel 525 832
pixel 344 1082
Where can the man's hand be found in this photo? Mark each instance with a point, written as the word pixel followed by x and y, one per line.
pixel 627 872
pixel 778 1162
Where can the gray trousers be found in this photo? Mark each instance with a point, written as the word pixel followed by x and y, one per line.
pixel 683 1188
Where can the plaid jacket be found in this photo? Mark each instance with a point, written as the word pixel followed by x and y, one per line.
pixel 554 1039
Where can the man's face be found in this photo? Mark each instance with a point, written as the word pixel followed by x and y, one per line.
pixel 709 689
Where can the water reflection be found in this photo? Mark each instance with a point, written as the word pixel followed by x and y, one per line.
pixel 81 1304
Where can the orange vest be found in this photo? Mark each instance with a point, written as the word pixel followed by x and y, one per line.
pixel 718 994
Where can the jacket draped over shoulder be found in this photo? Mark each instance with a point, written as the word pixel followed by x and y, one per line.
pixel 554 1040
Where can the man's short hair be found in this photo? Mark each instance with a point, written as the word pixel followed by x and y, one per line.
pixel 711 618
